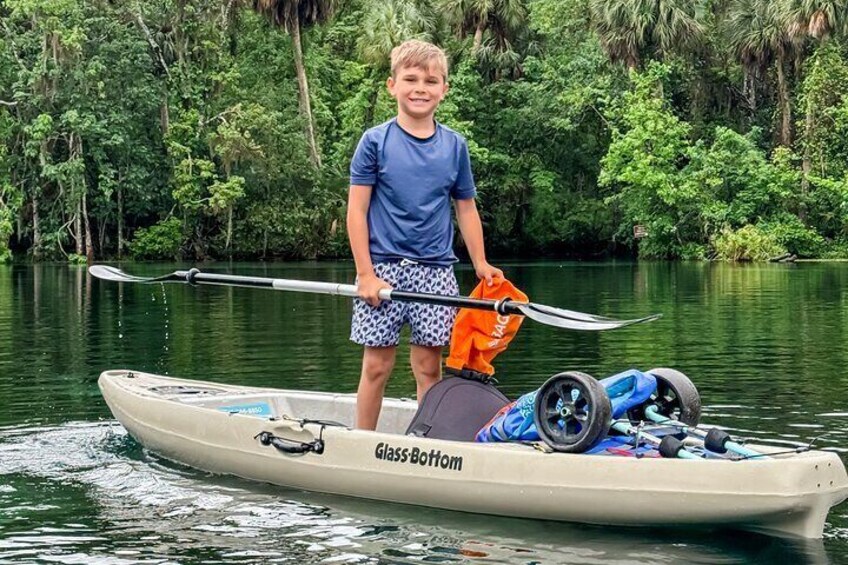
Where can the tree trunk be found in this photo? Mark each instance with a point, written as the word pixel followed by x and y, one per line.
pixel 632 63
pixel 89 242
pixel 154 47
pixel 36 227
pixel 120 219
pixel 806 163
pixel 478 36
pixel 36 217
pixel 179 47
pixel 164 116
pixel 229 230
pixel 785 104
pixel 77 229
pixel 102 234
pixel 303 91
pixel 749 91
pixel 372 105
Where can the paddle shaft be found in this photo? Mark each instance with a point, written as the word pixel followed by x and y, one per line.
pixel 557 317
pixel 349 290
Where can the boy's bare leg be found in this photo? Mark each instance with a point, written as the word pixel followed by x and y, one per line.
pixel 426 366
pixel 377 365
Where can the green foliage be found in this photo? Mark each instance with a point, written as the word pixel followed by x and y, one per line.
pixel 75 259
pixel 162 240
pixel 827 202
pixel 630 31
pixel 114 115
pixel 748 243
pixel 837 249
pixel 689 194
pixel 192 177
pixel 741 184
pixel 824 100
pixel 11 198
pixel 224 193
pixel 646 168
pixel 791 234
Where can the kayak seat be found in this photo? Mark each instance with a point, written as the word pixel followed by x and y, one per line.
pixel 455 409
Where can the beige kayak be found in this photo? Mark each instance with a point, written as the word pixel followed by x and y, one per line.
pixel 221 428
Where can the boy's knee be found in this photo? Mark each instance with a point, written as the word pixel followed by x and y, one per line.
pixel 427 365
pixel 377 369
pixel 428 373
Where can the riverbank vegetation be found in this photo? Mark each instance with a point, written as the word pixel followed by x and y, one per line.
pixel 224 128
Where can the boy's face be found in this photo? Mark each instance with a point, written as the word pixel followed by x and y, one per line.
pixel 418 91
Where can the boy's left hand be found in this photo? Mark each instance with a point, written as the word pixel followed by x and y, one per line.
pixel 487 272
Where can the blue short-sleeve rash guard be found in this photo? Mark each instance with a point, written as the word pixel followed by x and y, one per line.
pixel 413 182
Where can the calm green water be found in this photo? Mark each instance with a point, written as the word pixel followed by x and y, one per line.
pixel 766 345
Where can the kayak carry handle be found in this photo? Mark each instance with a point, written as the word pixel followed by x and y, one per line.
pixel 290 447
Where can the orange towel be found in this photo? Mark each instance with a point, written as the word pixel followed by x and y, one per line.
pixel 479 335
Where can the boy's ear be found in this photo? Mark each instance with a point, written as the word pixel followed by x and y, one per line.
pixel 390 85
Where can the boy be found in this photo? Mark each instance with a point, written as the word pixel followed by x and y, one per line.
pixel 403 176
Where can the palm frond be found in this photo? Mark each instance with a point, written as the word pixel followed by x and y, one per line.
pixel 388 23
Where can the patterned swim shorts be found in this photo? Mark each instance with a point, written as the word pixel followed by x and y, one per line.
pixel 431 324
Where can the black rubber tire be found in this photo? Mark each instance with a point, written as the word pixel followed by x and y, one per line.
pixel 670 447
pixel 716 440
pixel 676 397
pixel 583 417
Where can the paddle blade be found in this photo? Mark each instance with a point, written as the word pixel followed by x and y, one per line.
pixel 114 274
pixel 570 320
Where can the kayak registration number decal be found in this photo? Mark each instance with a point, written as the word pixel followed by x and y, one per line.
pixel 417 456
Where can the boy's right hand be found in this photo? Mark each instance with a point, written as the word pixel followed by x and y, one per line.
pixel 369 287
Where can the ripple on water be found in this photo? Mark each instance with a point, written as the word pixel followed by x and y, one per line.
pixel 117 503
pixel 764 345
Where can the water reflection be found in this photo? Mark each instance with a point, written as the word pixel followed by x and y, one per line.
pixel 766 346
pixel 108 497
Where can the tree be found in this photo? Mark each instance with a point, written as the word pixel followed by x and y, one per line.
pixel 630 29
pixel 293 16
pixel 502 18
pixel 759 33
pixel 643 169
pixel 386 24
pixel 819 18
pixel 233 142
pixel 11 197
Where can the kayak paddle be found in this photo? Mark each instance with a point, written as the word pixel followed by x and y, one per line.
pixel 556 317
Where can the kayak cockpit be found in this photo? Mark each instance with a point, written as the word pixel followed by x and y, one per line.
pixel 395 416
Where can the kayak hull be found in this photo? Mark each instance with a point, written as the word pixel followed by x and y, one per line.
pixel 214 427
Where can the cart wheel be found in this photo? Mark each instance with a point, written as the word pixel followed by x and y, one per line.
pixel 572 412
pixel 676 398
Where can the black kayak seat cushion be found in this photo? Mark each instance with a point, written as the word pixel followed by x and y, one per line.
pixel 456 408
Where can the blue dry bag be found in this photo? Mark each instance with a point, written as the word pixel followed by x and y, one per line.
pixel 514 422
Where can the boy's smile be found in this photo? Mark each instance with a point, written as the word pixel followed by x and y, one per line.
pixel 418 91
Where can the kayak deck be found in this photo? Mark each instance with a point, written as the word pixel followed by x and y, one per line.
pixel 273 403
pixel 215 427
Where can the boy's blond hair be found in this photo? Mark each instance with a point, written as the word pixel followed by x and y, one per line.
pixel 420 54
